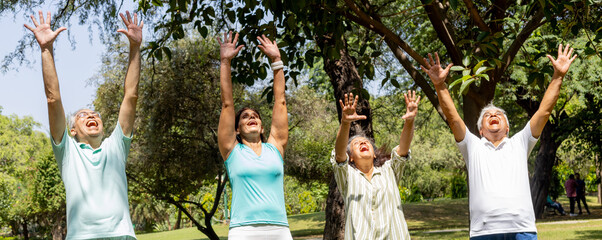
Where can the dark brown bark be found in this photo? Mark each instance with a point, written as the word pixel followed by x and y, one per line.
pixel 178 220
pixel 344 79
pixel 542 174
pixel 25 232
pixel 59 229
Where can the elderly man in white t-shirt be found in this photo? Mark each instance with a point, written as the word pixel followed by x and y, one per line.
pixel 500 197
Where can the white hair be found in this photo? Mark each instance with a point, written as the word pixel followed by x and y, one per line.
pixel 358 136
pixel 487 108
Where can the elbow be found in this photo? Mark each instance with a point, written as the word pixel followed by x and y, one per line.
pixel 131 97
pixel 53 100
pixel 281 102
pixel 227 104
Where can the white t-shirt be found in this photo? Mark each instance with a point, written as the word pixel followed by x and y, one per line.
pixel 498 177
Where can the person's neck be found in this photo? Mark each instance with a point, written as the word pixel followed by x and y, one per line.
pixel 495 139
pixel 94 143
pixel 254 143
pixel 365 166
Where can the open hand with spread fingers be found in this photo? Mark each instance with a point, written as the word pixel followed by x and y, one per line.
pixel 269 48
pixel 348 109
pixel 411 105
pixel 227 48
pixel 44 35
pixel 435 71
pixel 134 30
pixel 564 60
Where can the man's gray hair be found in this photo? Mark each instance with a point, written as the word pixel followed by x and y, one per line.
pixel 73 118
pixel 487 108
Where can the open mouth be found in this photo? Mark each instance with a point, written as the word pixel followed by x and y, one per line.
pixel 364 148
pixel 92 123
pixel 494 121
pixel 252 123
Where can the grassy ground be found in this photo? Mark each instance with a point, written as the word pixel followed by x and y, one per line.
pixel 439 219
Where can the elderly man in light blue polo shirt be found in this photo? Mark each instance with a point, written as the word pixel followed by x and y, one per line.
pixel 92 170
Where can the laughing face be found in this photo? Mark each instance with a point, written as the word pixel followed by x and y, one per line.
pixel 87 125
pixel 249 123
pixel 494 122
pixel 361 148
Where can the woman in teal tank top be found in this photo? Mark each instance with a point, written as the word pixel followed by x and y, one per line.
pixel 255 168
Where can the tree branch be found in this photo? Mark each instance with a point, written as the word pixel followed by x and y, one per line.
pixel 418 79
pixel 444 31
pixel 507 58
pixel 369 22
pixel 474 14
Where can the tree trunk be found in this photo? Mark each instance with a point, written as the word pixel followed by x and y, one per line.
pixel 344 79
pixel 542 173
pixel 58 227
pixel 25 230
pixel 178 220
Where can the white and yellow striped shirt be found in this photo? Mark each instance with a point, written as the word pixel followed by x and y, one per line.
pixel 372 207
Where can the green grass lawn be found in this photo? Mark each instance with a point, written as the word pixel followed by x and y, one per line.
pixel 426 220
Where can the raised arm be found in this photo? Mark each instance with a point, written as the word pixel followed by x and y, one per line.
pixel 226 133
pixel 348 116
pixel 279 128
pixel 408 128
pixel 438 76
pixel 127 112
pixel 45 37
pixel 561 67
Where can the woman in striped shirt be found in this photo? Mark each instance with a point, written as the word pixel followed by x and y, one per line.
pixel 372 200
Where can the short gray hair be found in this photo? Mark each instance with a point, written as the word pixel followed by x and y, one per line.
pixel 73 118
pixel 487 108
pixel 358 136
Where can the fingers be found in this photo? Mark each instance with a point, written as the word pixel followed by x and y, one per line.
pixel 431 59
pixel 423 68
pixel 405 97
pixel 28 27
pixel 261 40
pixel 48 18
pixel 342 104
pixel 225 37
pixel 41 17
pixel 550 57
pixel 123 19
pixel 235 39
pixel 35 23
pixel 230 37
pixel 135 18
pixel 449 67
pixel 428 65
pixel 559 49
pixel 418 100
pixel 566 49
pixel 570 53
pixel 437 57
pixel 239 48
pixel 122 31
pixel 360 117
pixel 141 23
pixel 355 102
pixel 129 16
pixel 60 30
pixel 573 58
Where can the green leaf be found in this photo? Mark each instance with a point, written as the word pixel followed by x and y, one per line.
pixel 476 67
pixel 203 31
pixel 590 51
pixel 485 76
pixel 466 72
pixel 457 68
pixel 375 54
pixel 466 61
pixel 262 72
pixel 465 85
pixel 384 81
pixel 453 4
pixel 158 3
pixel 167 52
pixel 482 35
pixel 454 83
pixel 395 83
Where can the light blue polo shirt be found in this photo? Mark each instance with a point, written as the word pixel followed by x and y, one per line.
pixel 257 186
pixel 96 187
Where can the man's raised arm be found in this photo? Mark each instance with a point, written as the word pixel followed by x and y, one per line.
pixel 561 67
pixel 45 37
pixel 127 112
pixel 438 76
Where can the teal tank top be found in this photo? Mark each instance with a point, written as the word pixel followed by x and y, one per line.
pixel 257 186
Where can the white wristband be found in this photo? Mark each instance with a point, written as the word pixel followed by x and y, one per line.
pixel 277 65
